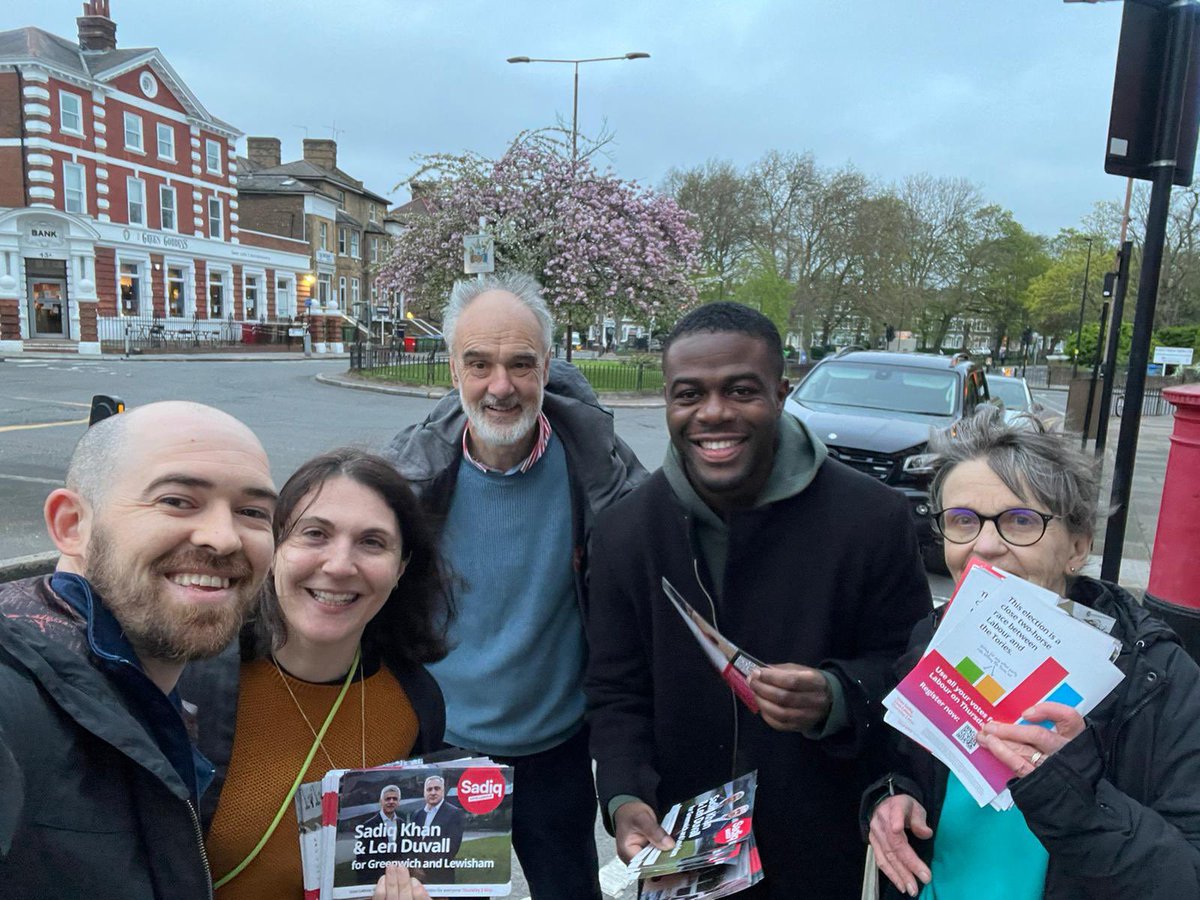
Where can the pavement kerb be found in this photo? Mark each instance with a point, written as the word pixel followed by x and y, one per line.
pixel 616 401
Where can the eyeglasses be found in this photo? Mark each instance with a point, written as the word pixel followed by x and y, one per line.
pixel 1019 527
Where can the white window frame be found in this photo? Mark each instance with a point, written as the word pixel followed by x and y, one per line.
pixel 324 235
pixel 163 191
pixel 324 288
pixel 142 267
pixel 212 150
pixel 135 120
pixel 187 303
pixel 219 218
pixel 260 280
pixel 129 191
pixel 77 101
pixel 341 295
pixel 342 240
pixel 354 244
pixel 374 241
pixel 285 296
pixel 82 206
pixel 355 295
pixel 162 129
pixel 226 280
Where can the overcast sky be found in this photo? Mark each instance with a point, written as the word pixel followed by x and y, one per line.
pixel 1012 94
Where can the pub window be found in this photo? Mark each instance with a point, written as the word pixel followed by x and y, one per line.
pixel 354 244
pixel 216 294
pixel 342 292
pixel 341 242
pixel 324 288
pixel 176 291
pixel 324 236
pixel 251 297
pixel 131 289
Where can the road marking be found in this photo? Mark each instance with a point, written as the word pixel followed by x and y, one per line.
pixel 59 402
pixel 4 428
pixel 57 482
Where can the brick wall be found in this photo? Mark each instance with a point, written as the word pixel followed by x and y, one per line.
pixel 87 322
pixel 10 319
pixel 201 289
pixel 106 280
pixel 267 299
pixel 158 284
pixel 234 303
pixel 272 214
pixel 12 186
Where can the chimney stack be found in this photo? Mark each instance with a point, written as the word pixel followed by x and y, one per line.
pixel 321 152
pixel 263 152
pixel 97 32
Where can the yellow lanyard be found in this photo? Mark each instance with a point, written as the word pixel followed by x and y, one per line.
pixel 287 801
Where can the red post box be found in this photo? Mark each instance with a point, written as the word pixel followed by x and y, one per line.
pixel 1174 590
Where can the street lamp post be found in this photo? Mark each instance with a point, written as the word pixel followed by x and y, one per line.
pixel 575 127
pixel 575 99
pixel 1087 271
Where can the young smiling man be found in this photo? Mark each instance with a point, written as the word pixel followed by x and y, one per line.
pixel 164 527
pixel 801 561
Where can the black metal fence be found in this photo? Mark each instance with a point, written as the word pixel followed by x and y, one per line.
pixel 433 368
pixel 1153 403
pixel 394 364
pixel 154 334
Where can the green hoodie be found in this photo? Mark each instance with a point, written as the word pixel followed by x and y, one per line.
pixel 798 455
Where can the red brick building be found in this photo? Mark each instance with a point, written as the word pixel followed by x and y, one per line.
pixel 119 201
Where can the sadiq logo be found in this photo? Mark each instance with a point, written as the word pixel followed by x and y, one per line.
pixel 480 789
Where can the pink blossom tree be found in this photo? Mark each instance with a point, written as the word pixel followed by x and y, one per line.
pixel 599 244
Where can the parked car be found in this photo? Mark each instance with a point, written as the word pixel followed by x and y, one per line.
pixel 875 410
pixel 1014 394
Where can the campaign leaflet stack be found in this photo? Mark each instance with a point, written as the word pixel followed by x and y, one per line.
pixel 1003 645
pixel 462 848
pixel 714 854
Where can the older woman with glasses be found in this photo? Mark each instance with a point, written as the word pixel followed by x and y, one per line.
pixel 1107 806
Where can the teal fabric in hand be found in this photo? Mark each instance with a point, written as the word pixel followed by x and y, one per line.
pixel 982 854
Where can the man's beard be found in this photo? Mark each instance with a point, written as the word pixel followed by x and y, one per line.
pixel 157 626
pixel 500 435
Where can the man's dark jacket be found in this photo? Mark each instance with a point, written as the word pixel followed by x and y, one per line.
pixel 89 805
pixel 830 577
pixel 601 467
pixel 1118 808
pixel 453 822
pixel 211 686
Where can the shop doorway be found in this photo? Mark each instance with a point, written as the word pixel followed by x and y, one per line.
pixel 46 281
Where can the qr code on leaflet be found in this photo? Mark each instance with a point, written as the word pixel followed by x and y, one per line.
pixel 966 735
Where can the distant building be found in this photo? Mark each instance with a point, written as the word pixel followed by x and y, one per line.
pixel 314 201
pixel 119 199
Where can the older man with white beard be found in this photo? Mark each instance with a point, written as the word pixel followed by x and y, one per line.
pixel 516 465
pixel 164 527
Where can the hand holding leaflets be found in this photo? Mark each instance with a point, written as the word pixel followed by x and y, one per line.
pixel 1005 681
pixel 712 853
pixel 446 818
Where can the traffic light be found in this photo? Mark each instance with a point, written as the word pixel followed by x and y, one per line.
pixel 104 406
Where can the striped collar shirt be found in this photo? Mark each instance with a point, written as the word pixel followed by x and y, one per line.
pixel 539 447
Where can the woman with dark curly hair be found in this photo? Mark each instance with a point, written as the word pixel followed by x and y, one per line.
pixel 329 673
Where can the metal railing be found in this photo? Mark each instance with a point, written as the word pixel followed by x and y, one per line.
pixel 156 334
pixel 433 368
pixel 392 363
